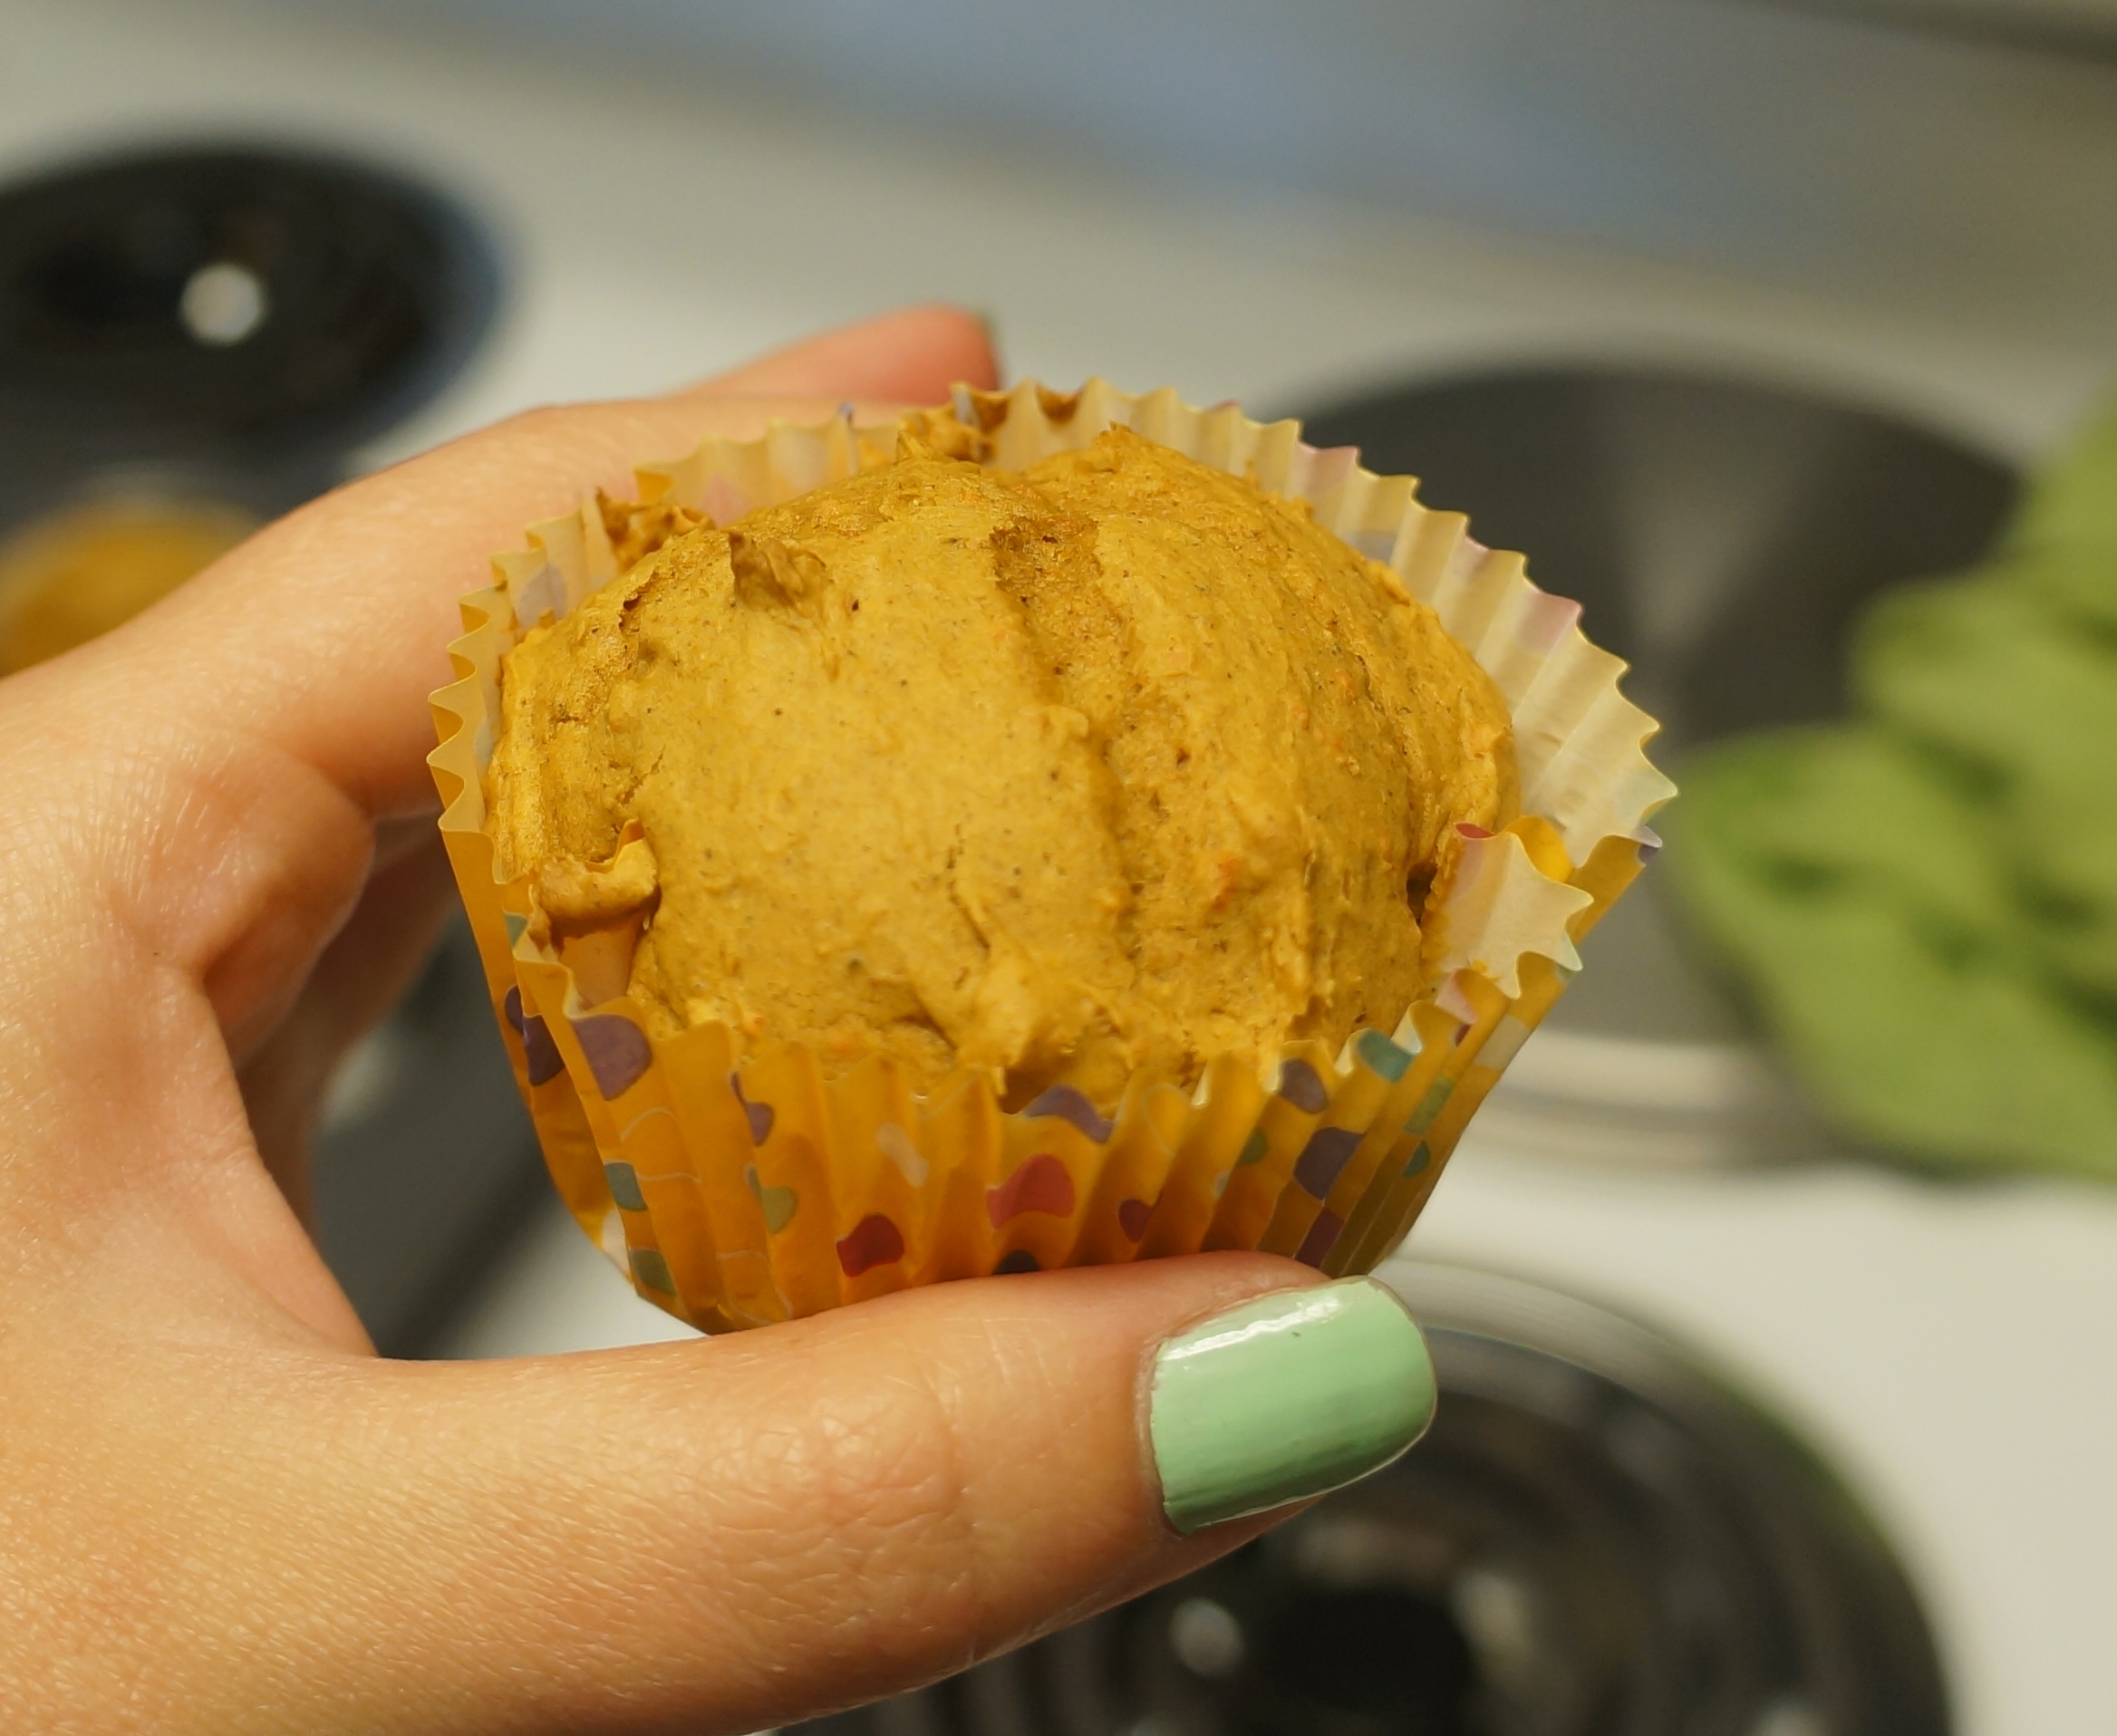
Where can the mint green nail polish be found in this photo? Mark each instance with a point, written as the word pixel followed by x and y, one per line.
pixel 1285 1397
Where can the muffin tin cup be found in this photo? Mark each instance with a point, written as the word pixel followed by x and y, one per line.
pixel 739 1183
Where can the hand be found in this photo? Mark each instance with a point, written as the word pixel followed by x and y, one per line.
pixel 221 1512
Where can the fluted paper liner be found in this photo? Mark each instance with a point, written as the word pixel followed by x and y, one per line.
pixel 739 1183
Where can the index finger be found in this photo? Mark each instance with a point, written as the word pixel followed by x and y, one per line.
pixel 329 629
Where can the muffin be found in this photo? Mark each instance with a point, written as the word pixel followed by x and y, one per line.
pixel 1057 829
pixel 1114 763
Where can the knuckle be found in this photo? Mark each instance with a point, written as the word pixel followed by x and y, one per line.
pixel 858 1501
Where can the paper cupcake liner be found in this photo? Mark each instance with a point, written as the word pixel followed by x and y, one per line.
pixel 738 1184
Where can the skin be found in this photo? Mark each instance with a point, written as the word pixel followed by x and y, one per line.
pixel 218 1510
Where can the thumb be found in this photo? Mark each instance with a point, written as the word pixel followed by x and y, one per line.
pixel 734 1533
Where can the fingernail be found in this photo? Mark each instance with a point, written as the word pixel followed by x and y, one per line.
pixel 1285 1397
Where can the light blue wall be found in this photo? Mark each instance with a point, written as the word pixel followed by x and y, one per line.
pixel 1773 139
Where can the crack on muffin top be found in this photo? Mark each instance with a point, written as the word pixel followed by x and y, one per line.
pixel 1117 762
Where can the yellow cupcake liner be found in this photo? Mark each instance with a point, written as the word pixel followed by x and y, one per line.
pixel 738 1183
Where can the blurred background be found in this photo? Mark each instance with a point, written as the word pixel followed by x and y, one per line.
pixel 1770 1407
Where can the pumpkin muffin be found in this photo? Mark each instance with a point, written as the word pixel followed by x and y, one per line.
pixel 1118 762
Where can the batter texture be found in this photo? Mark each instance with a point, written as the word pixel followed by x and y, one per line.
pixel 1115 762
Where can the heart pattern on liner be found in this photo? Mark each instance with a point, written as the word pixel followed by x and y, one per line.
pixel 759 1114
pixel 896 1145
pixel 1040 1183
pixel 873 1241
pixel 778 1203
pixel 616 1050
pixel 546 1064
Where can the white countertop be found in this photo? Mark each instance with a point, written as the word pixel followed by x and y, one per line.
pixel 1953 1348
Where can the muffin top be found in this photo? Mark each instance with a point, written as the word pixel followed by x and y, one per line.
pixel 1115 762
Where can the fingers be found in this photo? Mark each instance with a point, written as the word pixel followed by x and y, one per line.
pixel 330 628
pixel 340 615
pixel 235 737
pixel 361 975
pixel 910 357
pixel 192 798
pixel 731 1534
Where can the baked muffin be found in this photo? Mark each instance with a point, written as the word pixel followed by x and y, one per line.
pixel 1114 763
pixel 988 860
